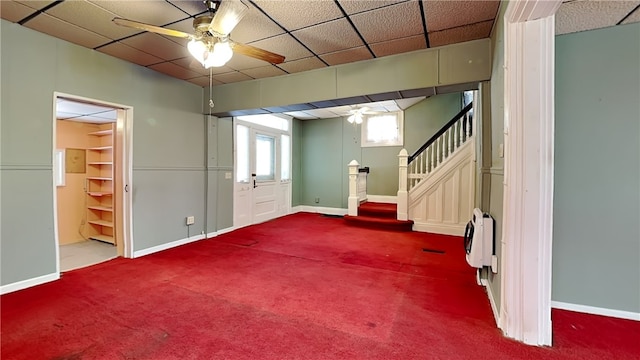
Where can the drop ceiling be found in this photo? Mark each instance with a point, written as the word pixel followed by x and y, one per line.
pixel 310 34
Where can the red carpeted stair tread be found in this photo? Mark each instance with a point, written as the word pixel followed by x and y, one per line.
pixel 379 222
pixel 378 210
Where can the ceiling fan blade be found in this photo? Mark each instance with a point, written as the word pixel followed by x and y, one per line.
pixel 257 53
pixel 151 28
pixel 228 16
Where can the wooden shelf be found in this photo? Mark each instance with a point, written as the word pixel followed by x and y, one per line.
pixel 99 178
pixel 101 223
pixel 100 163
pixel 101 132
pixel 100 208
pixel 105 238
pixel 100 148
pixel 100 193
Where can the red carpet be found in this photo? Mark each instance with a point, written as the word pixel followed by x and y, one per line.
pixel 300 287
pixel 382 216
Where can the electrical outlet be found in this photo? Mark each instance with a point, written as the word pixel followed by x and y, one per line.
pixel 191 220
pixel 317 200
pixel 227 175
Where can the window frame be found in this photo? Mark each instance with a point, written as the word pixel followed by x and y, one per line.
pixel 365 142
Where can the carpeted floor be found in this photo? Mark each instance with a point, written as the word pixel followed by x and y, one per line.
pixel 301 287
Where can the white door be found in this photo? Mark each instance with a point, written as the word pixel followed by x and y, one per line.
pixel 262 185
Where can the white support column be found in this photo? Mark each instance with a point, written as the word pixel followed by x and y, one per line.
pixel 353 201
pixel 525 311
pixel 403 195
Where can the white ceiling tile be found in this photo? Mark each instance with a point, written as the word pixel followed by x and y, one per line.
pixel 242 62
pixel 91 17
pixel 392 22
pixel 302 115
pixel 284 45
pixel 586 15
pixel 174 70
pixel 329 37
pixel 442 15
pixel 255 26
pixel 407 103
pixel 35 4
pixel 204 81
pixel 152 12
pixel 460 34
pixel 65 31
pixel 633 18
pixel 232 77
pixel 192 7
pixel 398 46
pixel 357 6
pixel 264 72
pixel 347 56
pixel 300 65
pixel 157 45
pixel 130 54
pixel 296 14
pixel 13 11
pixel 323 113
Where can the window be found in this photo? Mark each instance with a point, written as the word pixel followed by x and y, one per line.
pixel 242 156
pixel 59 167
pixel 268 120
pixel 383 129
pixel 285 154
pixel 265 159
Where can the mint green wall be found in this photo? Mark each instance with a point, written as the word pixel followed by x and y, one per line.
pixel 169 144
pixel 328 145
pixel 296 160
pixel 495 89
pixel 596 236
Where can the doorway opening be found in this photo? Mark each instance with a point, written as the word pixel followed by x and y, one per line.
pixel 262 185
pixel 92 169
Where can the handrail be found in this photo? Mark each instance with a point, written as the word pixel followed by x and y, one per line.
pixel 441 131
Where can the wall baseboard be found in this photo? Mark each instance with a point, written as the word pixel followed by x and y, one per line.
pixel 320 210
pixel 387 199
pixel 492 301
pixel 596 310
pixel 443 229
pixel 166 246
pixel 5 289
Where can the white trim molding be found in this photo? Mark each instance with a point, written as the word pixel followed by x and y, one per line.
pixel 321 210
pixel 492 301
pixel 155 249
pixel 386 199
pixel 596 310
pixel 525 307
pixel 5 289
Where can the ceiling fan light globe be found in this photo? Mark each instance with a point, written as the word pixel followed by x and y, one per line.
pixel 197 49
pixel 351 119
pixel 358 119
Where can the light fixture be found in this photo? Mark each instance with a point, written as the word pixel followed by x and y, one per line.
pixel 217 56
pixel 356 116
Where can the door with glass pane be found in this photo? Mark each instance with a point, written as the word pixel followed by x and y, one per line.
pixel 262 187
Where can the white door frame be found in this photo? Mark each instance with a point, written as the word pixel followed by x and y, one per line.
pixel 124 128
pixel 525 311
pixel 253 128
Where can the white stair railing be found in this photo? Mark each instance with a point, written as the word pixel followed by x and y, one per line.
pixel 417 167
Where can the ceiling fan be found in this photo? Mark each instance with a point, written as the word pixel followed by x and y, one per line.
pixel 357 114
pixel 210 44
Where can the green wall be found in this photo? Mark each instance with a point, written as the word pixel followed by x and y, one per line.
pixel 170 146
pixel 495 88
pixel 596 236
pixel 328 145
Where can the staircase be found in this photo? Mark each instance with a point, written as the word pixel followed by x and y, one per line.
pixel 378 216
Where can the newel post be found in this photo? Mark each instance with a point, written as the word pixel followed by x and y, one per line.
pixel 403 195
pixel 353 201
